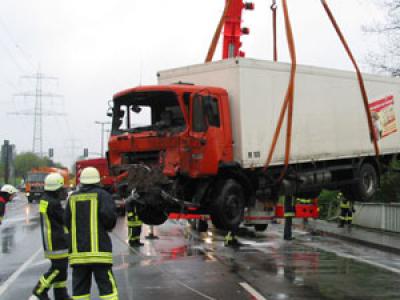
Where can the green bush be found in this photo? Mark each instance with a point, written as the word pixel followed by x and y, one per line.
pixel 328 204
pixel 390 187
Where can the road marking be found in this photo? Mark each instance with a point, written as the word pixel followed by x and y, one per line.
pixel 256 295
pixel 16 274
pixel 194 290
pixel 121 240
pixel 40 262
pixel 19 219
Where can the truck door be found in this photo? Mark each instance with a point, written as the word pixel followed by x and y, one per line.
pixel 206 134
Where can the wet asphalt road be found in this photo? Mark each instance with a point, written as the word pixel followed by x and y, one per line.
pixel 183 264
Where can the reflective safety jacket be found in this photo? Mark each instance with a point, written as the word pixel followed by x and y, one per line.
pixel 345 204
pixel 89 214
pixel 54 232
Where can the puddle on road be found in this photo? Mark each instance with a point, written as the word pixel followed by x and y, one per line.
pixel 7 237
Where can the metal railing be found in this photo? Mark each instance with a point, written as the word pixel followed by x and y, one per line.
pixel 384 216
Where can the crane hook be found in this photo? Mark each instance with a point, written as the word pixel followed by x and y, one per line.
pixel 274 6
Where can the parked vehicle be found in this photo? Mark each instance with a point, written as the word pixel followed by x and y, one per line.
pixel 34 184
pixel 203 144
pixel 107 181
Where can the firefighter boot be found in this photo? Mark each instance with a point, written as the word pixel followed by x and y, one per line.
pixel 231 241
pixel 61 294
pixel 39 293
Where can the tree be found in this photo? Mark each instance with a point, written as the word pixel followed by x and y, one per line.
pixel 388 60
pixel 390 189
pixel 24 162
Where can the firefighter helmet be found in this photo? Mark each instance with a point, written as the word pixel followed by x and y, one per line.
pixel 90 175
pixel 8 188
pixel 53 182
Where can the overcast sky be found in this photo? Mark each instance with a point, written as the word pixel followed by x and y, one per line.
pixel 96 48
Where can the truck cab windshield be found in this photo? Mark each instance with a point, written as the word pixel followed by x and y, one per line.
pixel 143 111
pixel 36 177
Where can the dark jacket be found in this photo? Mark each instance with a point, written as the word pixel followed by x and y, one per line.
pixel 89 214
pixel 54 232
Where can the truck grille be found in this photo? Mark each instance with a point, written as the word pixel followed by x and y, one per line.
pixel 151 157
pixel 37 189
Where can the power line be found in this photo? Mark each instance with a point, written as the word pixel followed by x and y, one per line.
pixel 25 54
pixel 12 57
pixel 38 112
pixel 75 144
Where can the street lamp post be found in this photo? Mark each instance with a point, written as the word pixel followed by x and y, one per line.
pixel 102 124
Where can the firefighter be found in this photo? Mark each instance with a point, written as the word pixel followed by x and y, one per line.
pixel 289 214
pixel 346 211
pixel 134 223
pixel 89 215
pixel 54 237
pixel 7 193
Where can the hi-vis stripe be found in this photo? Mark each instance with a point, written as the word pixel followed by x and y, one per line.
pixel 92 197
pixel 46 225
pixel 93 225
pixel 94 255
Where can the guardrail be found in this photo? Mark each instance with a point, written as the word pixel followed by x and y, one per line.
pixel 384 216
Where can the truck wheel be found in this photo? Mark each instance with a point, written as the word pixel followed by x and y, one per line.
pixel 260 227
pixel 30 199
pixel 152 215
pixel 202 226
pixel 367 185
pixel 152 212
pixel 199 225
pixel 228 207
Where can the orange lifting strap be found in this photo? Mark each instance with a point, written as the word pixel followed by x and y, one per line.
pixel 289 97
pixel 274 33
pixel 359 76
pixel 288 103
pixel 217 33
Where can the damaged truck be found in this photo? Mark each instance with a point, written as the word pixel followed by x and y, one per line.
pixel 198 142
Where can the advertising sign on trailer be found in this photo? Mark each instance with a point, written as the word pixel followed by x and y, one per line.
pixel 384 116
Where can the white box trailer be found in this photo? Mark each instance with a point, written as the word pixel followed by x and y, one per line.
pixel 329 120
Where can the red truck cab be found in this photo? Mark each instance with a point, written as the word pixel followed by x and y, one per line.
pixel 185 129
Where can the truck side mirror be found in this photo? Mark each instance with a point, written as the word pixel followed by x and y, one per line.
pixel 110 108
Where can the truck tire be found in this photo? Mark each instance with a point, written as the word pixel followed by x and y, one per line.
pixel 260 227
pixel 202 226
pixel 228 205
pixel 30 199
pixel 367 185
pixel 151 212
pixel 152 215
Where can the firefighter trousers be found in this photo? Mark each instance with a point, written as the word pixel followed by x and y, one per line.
pixel 82 281
pixel 55 277
pixel 134 233
pixel 346 216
